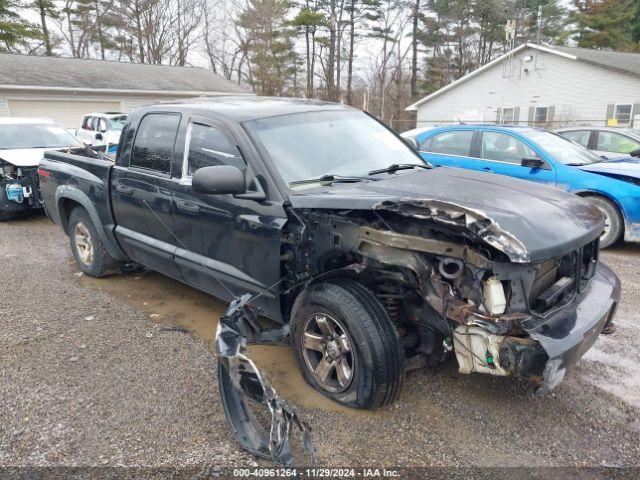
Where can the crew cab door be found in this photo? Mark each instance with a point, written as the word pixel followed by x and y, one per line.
pixel 141 187
pixel 449 148
pixel 502 153
pixel 227 245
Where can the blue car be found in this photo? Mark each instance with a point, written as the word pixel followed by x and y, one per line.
pixel 541 156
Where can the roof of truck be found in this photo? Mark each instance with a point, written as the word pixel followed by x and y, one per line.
pixel 243 108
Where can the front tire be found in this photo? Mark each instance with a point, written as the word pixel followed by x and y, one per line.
pixel 87 247
pixel 613 223
pixel 346 346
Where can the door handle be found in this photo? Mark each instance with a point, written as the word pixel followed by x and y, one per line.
pixel 124 190
pixel 188 207
pixel 487 169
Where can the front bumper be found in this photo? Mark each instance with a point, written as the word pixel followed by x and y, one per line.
pixel 565 336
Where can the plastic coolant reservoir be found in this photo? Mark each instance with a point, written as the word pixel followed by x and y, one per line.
pixel 493 296
pixel 15 192
pixel 478 350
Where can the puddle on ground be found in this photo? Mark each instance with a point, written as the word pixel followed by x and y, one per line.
pixel 170 302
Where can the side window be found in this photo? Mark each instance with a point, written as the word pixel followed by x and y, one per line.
pixel 504 148
pixel 87 123
pixel 450 143
pixel 581 137
pixel 101 124
pixel 209 147
pixel 155 138
pixel 616 143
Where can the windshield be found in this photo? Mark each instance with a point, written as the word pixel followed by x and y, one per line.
pixel 35 135
pixel 116 123
pixel 313 144
pixel 561 149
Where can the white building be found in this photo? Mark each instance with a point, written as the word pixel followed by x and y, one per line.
pixel 542 85
pixel 64 88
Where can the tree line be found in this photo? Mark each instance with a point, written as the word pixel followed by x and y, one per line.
pixel 376 54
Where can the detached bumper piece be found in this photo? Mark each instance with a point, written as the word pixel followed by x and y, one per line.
pixel 247 396
pixel 555 342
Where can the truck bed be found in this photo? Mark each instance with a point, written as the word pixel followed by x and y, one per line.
pixel 69 180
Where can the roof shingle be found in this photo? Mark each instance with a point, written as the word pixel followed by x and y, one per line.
pixel 627 62
pixel 34 71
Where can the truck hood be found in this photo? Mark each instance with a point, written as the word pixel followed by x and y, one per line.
pixel 626 166
pixel 23 157
pixel 526 221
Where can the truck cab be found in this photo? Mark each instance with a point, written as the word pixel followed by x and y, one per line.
pixel 97 129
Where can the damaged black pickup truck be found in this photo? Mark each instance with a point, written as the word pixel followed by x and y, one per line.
pixel 367 259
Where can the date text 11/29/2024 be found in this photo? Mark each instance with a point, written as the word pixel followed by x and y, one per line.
pixel 317 472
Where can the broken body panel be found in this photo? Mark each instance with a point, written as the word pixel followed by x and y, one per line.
pixel 431 261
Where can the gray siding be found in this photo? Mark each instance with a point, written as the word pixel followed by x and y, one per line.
pixel 578 92
pixel 4 107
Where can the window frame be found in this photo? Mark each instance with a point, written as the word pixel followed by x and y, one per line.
pixel 185 177
pixel 150 171
pixel 513 115
pixel 615 113
pixel 535 115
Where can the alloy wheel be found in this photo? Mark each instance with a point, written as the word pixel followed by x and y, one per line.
pixel 84 244
pixel 327 351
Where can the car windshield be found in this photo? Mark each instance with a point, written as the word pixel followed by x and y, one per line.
pixel 35 135
pixel 116 123
pixel 562 150
pixel 335 143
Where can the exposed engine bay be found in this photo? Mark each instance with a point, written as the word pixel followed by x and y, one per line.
pixel 452 281
pixel 18 188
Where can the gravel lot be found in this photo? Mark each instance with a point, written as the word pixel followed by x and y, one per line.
pixel 91 375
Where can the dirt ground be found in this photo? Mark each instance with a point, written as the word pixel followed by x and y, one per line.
pixel 91 375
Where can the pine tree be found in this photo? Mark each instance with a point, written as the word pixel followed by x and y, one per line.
pixel 607 24
pixel 16 34
pixel 271 55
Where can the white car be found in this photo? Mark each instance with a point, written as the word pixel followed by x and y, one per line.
pixel 101 128
pixel 23 142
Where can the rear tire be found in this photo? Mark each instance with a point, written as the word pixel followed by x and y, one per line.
pixel 346 346
pixel 87 247
pixel 612 218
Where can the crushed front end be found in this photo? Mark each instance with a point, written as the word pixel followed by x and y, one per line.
pixel 19 190
pixel 453 281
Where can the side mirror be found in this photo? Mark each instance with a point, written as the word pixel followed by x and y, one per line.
pixel 219 179
pixel 98 136
pixel 412 142
pixel 533 162
pixel 635 153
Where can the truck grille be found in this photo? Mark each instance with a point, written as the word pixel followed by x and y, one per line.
pixel 557 280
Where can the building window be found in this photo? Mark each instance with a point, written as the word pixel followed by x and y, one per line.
pixel 623 114
pixel 541 115
pixel 508 116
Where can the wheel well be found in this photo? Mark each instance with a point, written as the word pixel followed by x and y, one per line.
pixel 65 207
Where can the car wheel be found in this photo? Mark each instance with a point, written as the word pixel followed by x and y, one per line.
pixel 346 345
pixel 612 221
pixel 87 247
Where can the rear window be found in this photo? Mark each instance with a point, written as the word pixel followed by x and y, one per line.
pixel 155 138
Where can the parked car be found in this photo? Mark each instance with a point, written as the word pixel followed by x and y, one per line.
pixel 546 158
pixel 99 129
pixel 605 141
pixel 371 259
pixel 23 141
